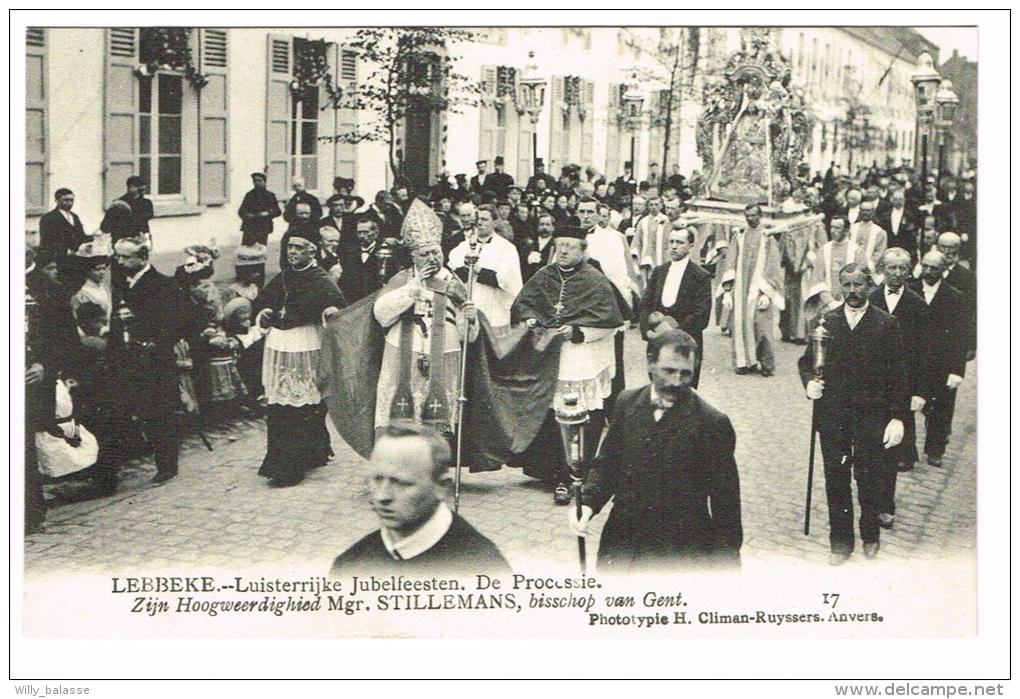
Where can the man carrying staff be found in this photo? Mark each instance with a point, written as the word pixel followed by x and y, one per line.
pixel 578 303
pixel 860 408
pixel 426 314
pixel 668 460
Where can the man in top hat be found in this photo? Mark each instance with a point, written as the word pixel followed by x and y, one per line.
pixel 498 270
pixel 541 180
pixel 141 207
pixel 343 185
pixel 499 181
pixel 578 305
pixel 301 196
pixel 257 211
pixel 426 315
pixel 60 230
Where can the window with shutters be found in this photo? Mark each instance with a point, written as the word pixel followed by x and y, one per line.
pixel 160 126
pixel 36 132
pixel 160 131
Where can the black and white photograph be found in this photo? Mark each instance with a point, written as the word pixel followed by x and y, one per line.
pixel 577 325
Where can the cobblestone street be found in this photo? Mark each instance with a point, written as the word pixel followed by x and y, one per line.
pixel 219 512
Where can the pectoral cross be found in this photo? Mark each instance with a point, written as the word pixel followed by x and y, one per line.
pixel 559 306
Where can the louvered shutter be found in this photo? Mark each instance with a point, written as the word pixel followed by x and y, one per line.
pixel 588 125
pixel 556 135
pixel 120 137
pixel 36 133
pixel 278 113
pixel 613 168
pixel 346 154
pixel 487 115
pixel 214 134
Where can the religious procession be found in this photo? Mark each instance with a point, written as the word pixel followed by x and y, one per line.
pixel 599 328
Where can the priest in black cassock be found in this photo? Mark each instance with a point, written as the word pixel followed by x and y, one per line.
pixel 408 482
pixel 578 302
pixel 294 306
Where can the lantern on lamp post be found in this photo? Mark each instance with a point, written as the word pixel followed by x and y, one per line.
pixel 926 82
pixel 533 97
pixel 633 101
pixel 945 101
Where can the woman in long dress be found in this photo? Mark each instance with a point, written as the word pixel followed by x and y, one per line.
pixel 294 306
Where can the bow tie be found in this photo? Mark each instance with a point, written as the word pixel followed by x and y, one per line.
pixel 661 403
pixel 893 292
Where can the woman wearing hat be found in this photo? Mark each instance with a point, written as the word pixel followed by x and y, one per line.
pixel 94 261
pixel 294 306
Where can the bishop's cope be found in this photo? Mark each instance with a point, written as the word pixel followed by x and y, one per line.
pixel 396 355
pixel 427 315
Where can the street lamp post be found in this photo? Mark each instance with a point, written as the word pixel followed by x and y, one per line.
pixel 633 100
pixel 926 81
pixel 533 95
pixel 946 101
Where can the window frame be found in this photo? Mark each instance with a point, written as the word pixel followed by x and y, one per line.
pixel 153 154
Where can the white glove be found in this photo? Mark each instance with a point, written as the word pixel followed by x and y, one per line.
pixel 916 403
pixel 893 434
pixel 727 301
pixel 579 526
pixel 954 381
pixel 764 302
pixel 534 257
pixel 814 389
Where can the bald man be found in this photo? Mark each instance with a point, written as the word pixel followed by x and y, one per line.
pixel 942 344
pixel 893 296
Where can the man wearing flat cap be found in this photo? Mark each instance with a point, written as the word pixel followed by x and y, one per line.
pixel 257 211
pixel 141 207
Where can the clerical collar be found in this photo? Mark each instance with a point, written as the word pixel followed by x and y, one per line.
pixel 302 269
pixel 568 270
pixel 421 539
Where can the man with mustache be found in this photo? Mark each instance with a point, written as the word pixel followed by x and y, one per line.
pixel 862 402
pixel 667 460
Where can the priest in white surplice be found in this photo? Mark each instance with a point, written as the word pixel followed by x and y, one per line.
pixel 498 271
